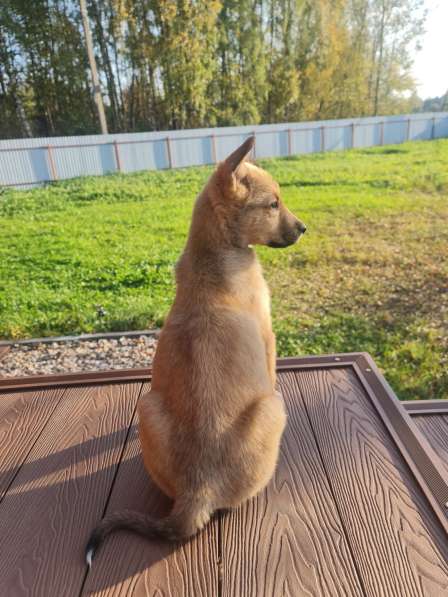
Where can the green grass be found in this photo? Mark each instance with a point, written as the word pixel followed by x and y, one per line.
pixel 370 274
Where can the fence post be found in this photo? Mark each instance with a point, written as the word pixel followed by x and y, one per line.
pixel 289 142
pixel 353 134
pixel 168 151
pixel 433 128
pixel 213 141
pixel 382 133
pixel 254 151
pixel 322 138
pixel 51 163
pixel 117 156
pixel 408 130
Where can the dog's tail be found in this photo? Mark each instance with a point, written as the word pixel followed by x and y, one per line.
pixel 188 517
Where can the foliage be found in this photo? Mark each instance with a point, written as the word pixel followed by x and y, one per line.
pixel 179 64
pixel 435 104
pixel 370 274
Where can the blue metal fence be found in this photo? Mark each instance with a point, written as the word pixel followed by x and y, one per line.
pixel 29 162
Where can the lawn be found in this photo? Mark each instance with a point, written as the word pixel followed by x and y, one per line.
pixel 371 274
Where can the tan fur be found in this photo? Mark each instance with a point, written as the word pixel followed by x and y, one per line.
pixel 210 427
pixel 212 421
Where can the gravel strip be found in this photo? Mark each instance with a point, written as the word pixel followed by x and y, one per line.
pixel 78 355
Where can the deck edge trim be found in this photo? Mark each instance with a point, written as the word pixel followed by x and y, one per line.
pixel 415 449
pixel 426 407
pixel 144 374
pixel 79 378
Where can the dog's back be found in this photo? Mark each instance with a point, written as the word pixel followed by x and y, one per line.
pixel 210 428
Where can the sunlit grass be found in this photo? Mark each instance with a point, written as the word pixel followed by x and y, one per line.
pixel 370 274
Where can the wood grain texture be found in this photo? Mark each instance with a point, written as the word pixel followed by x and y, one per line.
pixel 289 540
pixel 130 565
pixel 398 543
pixel 435 429
pixel 23 415
pixel 61 491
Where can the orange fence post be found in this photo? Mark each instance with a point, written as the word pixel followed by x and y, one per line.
pixel 117 156
pixel 289 142
pixel 168 151
pixel 381 133
pixel 51 163
pixel 322 138
pixel 213 141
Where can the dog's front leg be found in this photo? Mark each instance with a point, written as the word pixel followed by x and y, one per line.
pixel 271 356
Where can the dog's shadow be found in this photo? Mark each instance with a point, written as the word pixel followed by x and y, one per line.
pixel 54 503
pixel 125 558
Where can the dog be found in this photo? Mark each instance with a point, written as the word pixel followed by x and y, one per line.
pixel 211 425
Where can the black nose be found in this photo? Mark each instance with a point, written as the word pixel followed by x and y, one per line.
pixel 301 227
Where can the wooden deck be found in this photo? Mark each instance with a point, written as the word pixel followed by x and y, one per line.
pixel 357 506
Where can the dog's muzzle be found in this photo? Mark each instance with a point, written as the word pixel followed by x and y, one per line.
pixel 290 237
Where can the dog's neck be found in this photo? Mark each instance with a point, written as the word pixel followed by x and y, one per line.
pixel 213 231
pixel 212 258
pixel 216 260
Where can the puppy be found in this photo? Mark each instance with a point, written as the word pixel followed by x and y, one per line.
pixel 210 427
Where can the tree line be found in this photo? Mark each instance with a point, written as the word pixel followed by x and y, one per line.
pixel 172 64
pixel 435 104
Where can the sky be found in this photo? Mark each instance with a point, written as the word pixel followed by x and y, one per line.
pixel 431 63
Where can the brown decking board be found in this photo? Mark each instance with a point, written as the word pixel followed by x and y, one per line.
pixel 435 429
pixel 355 507
pixel 290 540
pixel 134 566
pixel 61 490
pixel 379 502
pixel 23 416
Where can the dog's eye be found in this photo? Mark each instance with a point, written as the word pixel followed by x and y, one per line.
pixel 274 205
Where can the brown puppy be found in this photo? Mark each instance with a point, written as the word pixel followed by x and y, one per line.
pixel 210 427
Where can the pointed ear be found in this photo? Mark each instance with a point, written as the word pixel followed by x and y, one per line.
pixel 234 159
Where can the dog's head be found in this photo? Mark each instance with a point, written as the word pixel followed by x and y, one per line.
pixel 251 199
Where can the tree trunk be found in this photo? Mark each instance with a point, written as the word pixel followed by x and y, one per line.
pixel 111 88
pixel 95 80
pixel 380 60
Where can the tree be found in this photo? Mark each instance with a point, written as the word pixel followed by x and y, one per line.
pixel 395 25
pixel 194 63
pixel 283 76
pixel 92 62
pixel 434 104
pixel 239 87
